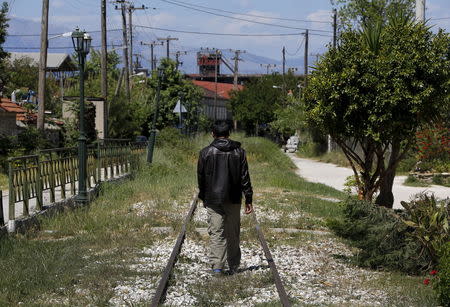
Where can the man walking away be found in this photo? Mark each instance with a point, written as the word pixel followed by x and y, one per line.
pixel 223 177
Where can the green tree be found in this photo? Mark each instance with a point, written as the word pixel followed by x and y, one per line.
pixel 174 87
pixel 261 98
pixel 355 13
pixel 3 33
pixel 376 90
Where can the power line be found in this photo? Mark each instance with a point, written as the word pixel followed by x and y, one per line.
pixel 250 15
pixel 33 48
pixel 241 19
pixel 441 18
pixel 55 34
pixel 298 49
pixel 220 34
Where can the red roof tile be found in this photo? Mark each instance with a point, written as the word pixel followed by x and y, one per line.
pixel 223 89
pixel 9 106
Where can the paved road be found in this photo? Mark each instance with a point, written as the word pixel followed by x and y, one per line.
pixel 335 176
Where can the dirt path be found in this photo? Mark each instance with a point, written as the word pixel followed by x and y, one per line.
pixel 335 176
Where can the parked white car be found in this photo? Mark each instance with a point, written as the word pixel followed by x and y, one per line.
pixel 292 144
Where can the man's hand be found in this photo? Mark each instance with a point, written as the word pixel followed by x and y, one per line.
pixel 248 208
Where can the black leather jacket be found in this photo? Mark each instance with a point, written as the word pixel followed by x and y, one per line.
pixel 222 173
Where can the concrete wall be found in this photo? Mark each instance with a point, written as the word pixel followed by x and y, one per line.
pixel 8 124
pixel 100 115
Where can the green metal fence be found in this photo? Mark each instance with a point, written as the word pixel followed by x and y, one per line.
pixel 55 171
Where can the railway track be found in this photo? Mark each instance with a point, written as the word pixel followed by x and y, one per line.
pixel 161 290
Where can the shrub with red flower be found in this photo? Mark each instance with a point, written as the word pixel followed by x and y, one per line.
pixel 428 280
pixel 434 143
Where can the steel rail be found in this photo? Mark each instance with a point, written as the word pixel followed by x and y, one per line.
pixel 273 268
pixel 161 290
pixel 162 286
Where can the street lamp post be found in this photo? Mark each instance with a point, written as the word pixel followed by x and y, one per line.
pixel 81 43
pixel 152 137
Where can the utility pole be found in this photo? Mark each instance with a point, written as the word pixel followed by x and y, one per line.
pixel 125 49
pixel 42 66
pixel 177 58
pixel 131 9
pixel 152 59
pixel 306 55
pixel 167 39
pixel 420 11
pixel 268 66
pixel 236 59
pixel 284 60
pixel 104 71
pixel 216 64
pixel 334 28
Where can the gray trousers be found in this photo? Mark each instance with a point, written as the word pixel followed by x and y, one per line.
pixel 224 226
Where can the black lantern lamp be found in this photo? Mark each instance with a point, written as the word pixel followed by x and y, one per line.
pixel 77 40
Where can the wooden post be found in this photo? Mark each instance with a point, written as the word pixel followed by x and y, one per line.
pixel 62 165
pixel 26 192
pixel 12 192
pixel 104 67
pixel 334 28
pixel 52 179
pixel 39 184
pixel 125 53
pixel 306 55
pixel 2 219
pixel 42 66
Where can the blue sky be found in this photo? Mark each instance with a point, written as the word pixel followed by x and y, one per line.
pixel 67 14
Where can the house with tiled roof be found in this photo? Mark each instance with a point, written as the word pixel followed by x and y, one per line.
pixel 55 61
pixel 216 107
pixel 10 113
pixel 14 119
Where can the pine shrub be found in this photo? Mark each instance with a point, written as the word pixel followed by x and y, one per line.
pixel 383 239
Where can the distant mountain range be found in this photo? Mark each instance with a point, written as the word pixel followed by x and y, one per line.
pixel 250 64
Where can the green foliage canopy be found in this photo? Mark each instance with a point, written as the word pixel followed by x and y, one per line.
pixel 173 88
pixel 355 13
pixel 3 33
pixel 379 98
pixel 261 98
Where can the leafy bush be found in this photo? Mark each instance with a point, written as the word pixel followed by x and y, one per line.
pixel 413 181
pixel 433 143
pixel 312 149
pixel 383 238
pixel 169 136
pixel 441 180
pixel 442 283
pixel 430 221
pixel 406 240
pixel 407 164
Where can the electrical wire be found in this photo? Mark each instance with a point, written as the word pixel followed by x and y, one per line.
pixel 221 34
pixel 251 15
pixel 34 48
pixel 55 34
pixel 441 18
pixel 243 19
pixel 298 49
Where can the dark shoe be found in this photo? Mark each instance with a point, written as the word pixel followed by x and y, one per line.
pixel 233 270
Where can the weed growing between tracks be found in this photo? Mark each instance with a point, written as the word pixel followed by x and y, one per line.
pixel 110 252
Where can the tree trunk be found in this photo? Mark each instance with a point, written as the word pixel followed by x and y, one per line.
pixel 386 197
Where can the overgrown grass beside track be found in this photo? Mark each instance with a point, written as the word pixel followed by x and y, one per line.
pixel 78 257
